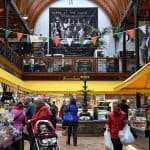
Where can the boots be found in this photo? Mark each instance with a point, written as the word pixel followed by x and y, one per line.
pixel 68 141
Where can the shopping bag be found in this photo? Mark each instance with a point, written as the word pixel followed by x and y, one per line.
pixel 133 132
pixel 67 119
pixel 126 136
pixel 107 140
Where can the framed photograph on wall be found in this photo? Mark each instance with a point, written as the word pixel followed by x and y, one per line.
pixel 71 25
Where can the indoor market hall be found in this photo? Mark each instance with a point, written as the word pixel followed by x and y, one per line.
pixel 74 74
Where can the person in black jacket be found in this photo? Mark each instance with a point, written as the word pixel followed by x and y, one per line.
pixel 124 107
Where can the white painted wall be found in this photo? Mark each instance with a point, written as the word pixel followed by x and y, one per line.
pixel 42 24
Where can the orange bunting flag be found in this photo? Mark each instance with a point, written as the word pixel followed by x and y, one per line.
pixel 131 33
pixel 19 36
pixel 56 41
pixel 94 39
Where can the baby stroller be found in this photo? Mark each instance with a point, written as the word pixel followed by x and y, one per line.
pixel 45 136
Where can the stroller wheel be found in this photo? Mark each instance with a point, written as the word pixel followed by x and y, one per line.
pixel 57 147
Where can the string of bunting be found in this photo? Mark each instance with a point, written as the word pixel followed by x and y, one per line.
pixel 56 40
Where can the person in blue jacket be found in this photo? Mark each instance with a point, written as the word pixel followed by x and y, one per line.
pixel 73 127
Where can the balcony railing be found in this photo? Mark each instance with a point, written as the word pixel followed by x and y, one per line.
pixel 10 55
pixel 64 64
pixel 57 64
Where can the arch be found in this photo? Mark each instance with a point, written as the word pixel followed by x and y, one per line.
pixel 112 9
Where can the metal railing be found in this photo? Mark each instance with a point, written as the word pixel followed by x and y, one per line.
pixel 11 55
pixel 60 64
pixel 76 64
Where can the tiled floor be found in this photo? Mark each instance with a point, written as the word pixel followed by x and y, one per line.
pixel 84 143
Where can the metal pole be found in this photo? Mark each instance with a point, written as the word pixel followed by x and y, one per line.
pixel 85 94
pixel 6 5
pixel 136 25
pixel 124 52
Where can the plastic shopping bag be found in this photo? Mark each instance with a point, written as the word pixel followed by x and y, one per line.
pixel 107 140
pixel 126 136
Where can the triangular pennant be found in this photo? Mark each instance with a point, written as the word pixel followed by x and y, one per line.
pixel 81 40
pixel 56 41
pixel 28 39
pixel 44 39
pixel 118 35
pixel 143 28
pixel 131 33
pixel 7 33
pixel 35 38
pixel 19 36
pixel 94 39
pixel 69 41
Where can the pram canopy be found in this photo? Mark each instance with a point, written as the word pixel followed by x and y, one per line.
pixel 48 124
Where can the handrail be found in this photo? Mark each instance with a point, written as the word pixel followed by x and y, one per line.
pixel 66 64
pixel 74 64
pixel 10 55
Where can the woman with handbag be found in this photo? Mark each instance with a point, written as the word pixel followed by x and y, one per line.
pixel 73 126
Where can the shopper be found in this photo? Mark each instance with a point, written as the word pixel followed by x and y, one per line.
pixel 72 128
pixel 62 109
pixel 19 116
pixel 41 113
pixel 30 107
pixel 115 122
pixel 124 107
pixel 54 111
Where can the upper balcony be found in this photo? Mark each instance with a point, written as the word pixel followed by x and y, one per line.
pixel 58 67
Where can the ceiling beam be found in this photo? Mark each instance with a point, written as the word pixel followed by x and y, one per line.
pixel 20 17
pixel 125 16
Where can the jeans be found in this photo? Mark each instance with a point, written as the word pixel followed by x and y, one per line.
pixel 73 129
pixel 117 144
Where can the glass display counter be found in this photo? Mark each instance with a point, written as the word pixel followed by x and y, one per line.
pixel 137 118
pixel 139 121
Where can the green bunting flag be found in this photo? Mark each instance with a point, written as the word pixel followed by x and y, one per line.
pixel 81 40
pixel 119 35
pixel 7 33
pixel 44 39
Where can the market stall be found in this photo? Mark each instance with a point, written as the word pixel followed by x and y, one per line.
pixel 9 135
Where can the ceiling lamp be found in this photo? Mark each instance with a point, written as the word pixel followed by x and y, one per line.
pixel 25 17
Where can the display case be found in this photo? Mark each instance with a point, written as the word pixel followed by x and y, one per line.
pixel 138 118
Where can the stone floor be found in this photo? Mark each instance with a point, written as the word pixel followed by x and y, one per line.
pixel 84 143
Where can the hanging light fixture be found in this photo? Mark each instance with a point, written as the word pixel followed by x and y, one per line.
pixel 24 16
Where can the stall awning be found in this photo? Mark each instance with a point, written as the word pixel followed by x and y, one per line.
pixel 138 82
pixel 57 86
pixel 71 86
pixel 8 78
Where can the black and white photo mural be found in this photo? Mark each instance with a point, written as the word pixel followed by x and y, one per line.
pixel 144 44
pixel 74 28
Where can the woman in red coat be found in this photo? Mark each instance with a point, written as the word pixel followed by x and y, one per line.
pixel 42 112
pixel 115 122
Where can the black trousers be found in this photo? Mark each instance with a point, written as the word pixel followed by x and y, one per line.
pixel 117 144
pixel 73 129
